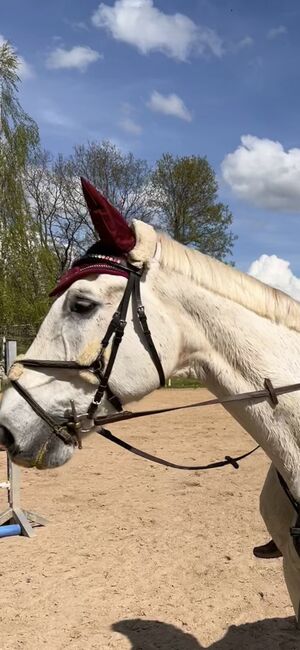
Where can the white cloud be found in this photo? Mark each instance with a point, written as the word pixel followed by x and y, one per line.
pixel 79 57
pixel 247 41
pixel 276 31
pixel 261 172
pixel 80 25
pixel 169 105
pixel 141 24
pixel 128 122
pixel 25 70
pixel 276 272
pixel 129 125
pixel 55 118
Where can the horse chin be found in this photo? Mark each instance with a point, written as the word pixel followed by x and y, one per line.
pixel 53 455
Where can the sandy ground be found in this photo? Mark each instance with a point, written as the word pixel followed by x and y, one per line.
pixel 141 557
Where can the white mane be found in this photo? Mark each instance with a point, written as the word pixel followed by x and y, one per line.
pixel 216 276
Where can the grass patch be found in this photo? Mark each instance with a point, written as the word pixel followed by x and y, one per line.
pixel 184 382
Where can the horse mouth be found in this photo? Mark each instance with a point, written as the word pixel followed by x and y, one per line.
pixel 21 460
pixel 47 456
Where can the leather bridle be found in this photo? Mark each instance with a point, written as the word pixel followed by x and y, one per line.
pixel 69 429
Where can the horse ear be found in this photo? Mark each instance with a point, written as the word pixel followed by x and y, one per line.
pixel 113 230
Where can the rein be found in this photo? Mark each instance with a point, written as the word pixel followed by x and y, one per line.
pixel 269 392
pixel 161 461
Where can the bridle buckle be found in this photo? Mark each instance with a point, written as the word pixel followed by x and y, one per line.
pixel 96 402
pixel 75 425
pixel 98 365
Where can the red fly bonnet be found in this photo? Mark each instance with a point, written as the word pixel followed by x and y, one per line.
pixel 108 255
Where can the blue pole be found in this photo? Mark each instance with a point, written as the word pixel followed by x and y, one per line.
pixel 8 531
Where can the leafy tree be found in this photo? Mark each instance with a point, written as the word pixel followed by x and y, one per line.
pixel 23 281
pixel 18 136
pixel 184 194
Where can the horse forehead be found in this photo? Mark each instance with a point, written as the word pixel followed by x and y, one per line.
pixel 97 284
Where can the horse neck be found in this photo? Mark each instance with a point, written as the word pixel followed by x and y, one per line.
pixel 232 350
pixel 214 330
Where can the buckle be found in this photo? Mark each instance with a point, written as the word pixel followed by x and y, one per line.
pixel 120 330
pixel 232 461
pixel 98 365
pixel 272 394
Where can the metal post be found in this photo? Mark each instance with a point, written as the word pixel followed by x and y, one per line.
pixel 10 354
pixel 14 512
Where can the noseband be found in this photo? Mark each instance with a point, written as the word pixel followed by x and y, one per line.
pixel 70 429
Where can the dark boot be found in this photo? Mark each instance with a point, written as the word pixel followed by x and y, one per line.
pixel 267 551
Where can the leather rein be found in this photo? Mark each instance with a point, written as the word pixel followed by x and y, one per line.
pixel 70 428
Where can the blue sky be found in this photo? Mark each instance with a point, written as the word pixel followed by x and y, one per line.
pixel 186 76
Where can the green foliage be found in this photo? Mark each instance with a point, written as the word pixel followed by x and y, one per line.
pixel 26 278
pixel 185 197
pixel 15 123
pixel 184 382
pixel 25 268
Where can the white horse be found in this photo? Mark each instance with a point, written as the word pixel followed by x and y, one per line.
pixel 231 328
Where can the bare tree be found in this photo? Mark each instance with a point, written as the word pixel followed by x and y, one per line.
pixel 57 208
pixel 55 199
pixel 122 178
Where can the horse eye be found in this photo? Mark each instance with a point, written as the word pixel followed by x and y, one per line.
pixel 82 306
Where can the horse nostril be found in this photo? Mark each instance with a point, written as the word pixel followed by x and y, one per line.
pixel 6 438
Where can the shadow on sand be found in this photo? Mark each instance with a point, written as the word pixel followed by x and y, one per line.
pixel 268 634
